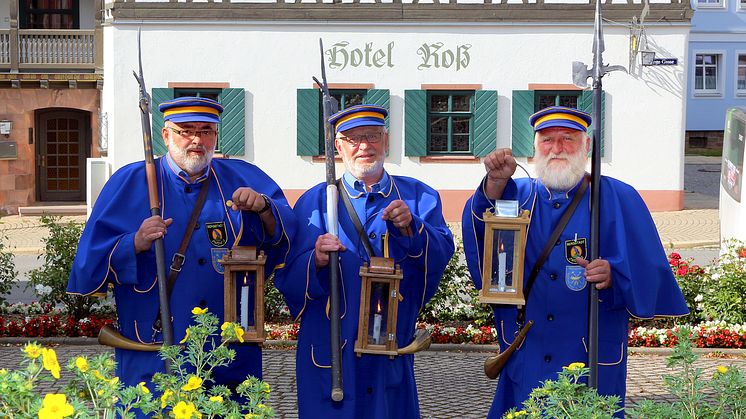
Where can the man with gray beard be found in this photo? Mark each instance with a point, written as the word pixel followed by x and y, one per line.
pixel 401 219
pixel 632 273
pixel 242 205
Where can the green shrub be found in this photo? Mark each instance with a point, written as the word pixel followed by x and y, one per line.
pixel 725 286
pixel 8 271
pixel 456 298
pixel 50 280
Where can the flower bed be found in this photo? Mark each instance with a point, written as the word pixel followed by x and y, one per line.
pixel 707 335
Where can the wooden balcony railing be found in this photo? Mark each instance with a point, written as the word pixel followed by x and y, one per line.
pixel 50 49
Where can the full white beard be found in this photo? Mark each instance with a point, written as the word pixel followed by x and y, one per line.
pixel 561 175
pixel 363 170
pixel 194 164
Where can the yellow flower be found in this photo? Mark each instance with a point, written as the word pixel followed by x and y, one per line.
pixel 239 333
pixel 722 370
pixel 193 383
pixel 32 350
pixel 49 360
pixel 114 380
pixel 81 363
pixel 3 371
pixel 186 336
pixel 510 416
pixel 265 388
pixel 224 326
pixel 100 392
pixel 165 398
pixel 574 366
pixel 55 406
pixel 184 410
pixel 142 387
pixel 218 399
pixel 199 310
pixel 250 416
pixel 523 412
pixel 261 406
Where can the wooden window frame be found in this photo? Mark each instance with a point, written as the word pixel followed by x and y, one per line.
pixel 24 14
pixel 450 114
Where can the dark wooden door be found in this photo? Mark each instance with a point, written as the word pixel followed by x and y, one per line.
pixel 62 148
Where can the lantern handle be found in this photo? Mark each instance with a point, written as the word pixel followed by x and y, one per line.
pixel 523 204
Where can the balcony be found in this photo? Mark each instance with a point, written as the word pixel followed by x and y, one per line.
pixel 51 50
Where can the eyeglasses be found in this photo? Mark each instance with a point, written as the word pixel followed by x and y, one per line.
pixel 191 134
pixel 355 140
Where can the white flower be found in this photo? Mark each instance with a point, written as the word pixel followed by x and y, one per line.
pixel 699 298
pixel 42 290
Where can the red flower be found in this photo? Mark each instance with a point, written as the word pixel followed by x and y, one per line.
pixel 682 270
pixel 742 252
pixel 674 255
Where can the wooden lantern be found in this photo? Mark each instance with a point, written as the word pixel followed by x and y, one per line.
pixel 243 291
pixel 504 250
pixel 379 303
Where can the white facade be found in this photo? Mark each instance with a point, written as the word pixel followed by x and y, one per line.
pixel 270 60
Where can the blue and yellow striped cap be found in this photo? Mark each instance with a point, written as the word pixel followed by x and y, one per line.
pixel 191 109
pixel 358 116
pixel 560 116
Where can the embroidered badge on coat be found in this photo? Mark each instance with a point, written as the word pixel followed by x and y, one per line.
pixel 217 233
pixel 216 255
pixel 575 277
pixel 576 249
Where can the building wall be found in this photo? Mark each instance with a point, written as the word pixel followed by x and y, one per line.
pixel 719 31
pixel 4 15
pixel 17 177
pixel 271 61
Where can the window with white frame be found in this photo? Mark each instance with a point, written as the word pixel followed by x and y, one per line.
pixel 707 74
pixel 741 75
pixel 742 5
pixel 704 4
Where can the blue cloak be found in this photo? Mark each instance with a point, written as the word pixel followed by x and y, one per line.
pixel 643 285
pixel 375 386
pixel 106 255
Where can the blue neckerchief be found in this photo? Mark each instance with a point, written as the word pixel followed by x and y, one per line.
pixel 175 169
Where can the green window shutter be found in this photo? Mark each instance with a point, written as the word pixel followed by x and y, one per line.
pixel 308 127
pixel 232 139
pixel 523 134
pixel 585 103
pixel 158 96
pixel 415 123
pixel 485 122
pixel 379 97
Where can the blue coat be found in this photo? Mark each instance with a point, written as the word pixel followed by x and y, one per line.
pixel 643 285
pixel 106 255
pixel 375 386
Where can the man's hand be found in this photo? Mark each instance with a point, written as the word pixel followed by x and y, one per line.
pixel 152 228
pixel 598 272
pixel 500 166
pixel 247 199
pixel 398 213
pixel 325 244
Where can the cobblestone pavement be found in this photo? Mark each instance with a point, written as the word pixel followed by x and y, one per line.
pixel 451 384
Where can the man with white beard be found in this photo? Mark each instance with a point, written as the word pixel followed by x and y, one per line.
pixel 242 205
pixel 632 273
pixel 401 219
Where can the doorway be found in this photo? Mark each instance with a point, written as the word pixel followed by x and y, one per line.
pixel 63 144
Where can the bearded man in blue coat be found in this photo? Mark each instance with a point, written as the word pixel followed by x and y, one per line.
pixel 401 217
pixel 116 248
pixel 632 272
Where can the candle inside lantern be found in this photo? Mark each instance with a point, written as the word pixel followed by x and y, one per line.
pixel 245 303
pixel 377 325
pixel 501 261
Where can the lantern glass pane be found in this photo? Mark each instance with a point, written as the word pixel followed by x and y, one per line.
pixel 503 249
pixel 378 314
pixel 246 285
